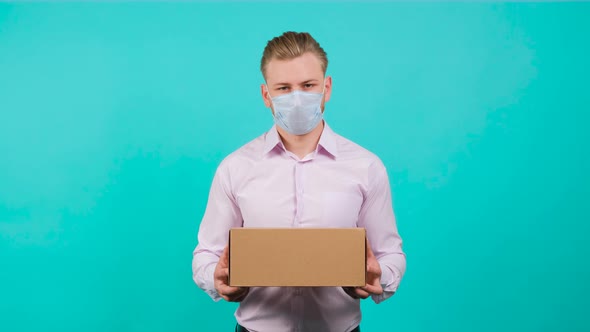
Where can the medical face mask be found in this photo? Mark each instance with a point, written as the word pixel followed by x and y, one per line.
pixel 298 112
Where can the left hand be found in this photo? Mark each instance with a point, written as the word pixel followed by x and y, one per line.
pixel 373 285
pixel 221 278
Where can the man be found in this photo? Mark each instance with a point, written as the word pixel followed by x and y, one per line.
pixel 299 174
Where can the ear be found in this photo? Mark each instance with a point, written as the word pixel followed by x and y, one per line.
pixel 265 96
pixel 328 88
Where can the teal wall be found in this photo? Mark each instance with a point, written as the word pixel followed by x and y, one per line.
pixel 113 118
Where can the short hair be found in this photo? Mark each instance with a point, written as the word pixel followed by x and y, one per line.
pixel 291 45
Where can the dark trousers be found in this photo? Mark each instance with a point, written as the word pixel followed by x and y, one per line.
pixel 240 328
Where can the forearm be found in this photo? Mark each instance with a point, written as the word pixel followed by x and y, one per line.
pixel 393 267
pixel 220 216
pixel 204 263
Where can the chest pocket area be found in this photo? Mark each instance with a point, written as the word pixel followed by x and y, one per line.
pixel 341 209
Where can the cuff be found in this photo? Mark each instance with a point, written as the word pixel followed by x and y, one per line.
pixel 387 279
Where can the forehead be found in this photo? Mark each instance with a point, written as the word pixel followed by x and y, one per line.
pixel 300 69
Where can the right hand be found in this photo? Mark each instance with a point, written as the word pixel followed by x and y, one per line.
pixel 373 277
pixel 221 276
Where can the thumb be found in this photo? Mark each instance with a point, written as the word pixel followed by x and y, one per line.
pixel 369 251
pixel 224 259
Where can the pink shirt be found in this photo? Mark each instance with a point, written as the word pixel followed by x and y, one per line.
pixel 262 184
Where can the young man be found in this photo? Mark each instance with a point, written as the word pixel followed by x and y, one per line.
pixel 299 174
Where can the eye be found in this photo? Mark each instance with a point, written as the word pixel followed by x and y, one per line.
pixel 309 86
pixel 283 88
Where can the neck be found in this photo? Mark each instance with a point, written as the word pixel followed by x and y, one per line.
pixel 301 145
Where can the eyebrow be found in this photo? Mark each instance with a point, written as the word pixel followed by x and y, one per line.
pixel 304 82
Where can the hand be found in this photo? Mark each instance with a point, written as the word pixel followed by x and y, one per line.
pixel 221 276
pixel 373 286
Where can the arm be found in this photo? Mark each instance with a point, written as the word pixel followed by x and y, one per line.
pixel 221 214
pixel 377 217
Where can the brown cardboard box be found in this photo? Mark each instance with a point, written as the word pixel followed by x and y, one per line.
pixel 297 257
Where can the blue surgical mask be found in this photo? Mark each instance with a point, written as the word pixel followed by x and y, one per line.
pixel 298 112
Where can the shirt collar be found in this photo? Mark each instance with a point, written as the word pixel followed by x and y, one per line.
pixel 327 140
pixel 271 140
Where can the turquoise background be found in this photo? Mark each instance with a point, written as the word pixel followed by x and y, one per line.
pixel 113 118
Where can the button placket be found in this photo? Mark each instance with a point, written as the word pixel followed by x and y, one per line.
pixel 298 193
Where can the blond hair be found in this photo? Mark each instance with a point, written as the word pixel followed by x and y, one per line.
pixel 291 45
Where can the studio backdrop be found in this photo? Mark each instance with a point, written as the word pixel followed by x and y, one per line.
pixel 114 117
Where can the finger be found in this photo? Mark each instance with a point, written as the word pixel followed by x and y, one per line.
pixel 373 289
pixel 361 293
pixel 221 273
pixel 241 290
pixel 227 290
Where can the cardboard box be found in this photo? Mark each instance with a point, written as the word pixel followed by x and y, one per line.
pixel 297 257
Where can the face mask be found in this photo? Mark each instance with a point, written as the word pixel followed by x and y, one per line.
pixel 298 112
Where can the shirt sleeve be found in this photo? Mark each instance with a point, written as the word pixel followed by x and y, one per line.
pixel 221 214
pixel 377 217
